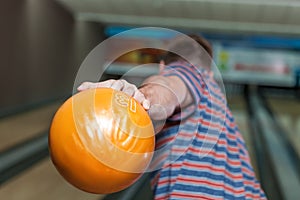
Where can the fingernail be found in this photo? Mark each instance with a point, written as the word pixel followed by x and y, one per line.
pixel 80 87
pixel 146 104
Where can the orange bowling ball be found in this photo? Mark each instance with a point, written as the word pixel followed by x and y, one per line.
pixel 101 140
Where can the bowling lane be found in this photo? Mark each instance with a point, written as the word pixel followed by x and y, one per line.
pixel 287 113
pixel 42 181
pixel 22 126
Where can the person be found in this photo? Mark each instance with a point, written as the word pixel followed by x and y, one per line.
pixel 209 159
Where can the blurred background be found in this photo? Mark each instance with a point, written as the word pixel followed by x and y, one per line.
pixel 43 42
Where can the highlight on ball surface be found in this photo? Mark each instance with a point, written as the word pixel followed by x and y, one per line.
pixel 101 140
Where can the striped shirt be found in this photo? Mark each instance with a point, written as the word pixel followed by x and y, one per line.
pixel 204 155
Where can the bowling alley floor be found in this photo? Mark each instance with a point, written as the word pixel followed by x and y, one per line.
pixel 17 128
pixel 42 181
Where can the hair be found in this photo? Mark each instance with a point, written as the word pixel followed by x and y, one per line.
pixel 170 57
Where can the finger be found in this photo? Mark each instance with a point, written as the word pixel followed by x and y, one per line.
pixel 84 86
pixel 129 89
pixel 90 85
pixel 145 97
pixel 140 97
pixel 161 65
pixel 105 84
pixel 117 85
pixel 146 104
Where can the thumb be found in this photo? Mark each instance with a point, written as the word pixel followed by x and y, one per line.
pixel 161 65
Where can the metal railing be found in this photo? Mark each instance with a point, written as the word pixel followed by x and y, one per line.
pixel 278 172
pixel 22 156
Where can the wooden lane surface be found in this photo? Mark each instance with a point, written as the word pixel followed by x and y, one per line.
pixel 42 181
pixel 19 127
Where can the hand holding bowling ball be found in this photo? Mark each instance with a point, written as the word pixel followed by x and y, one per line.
pixel 120 85
pixel 101 140
pixel 164 94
